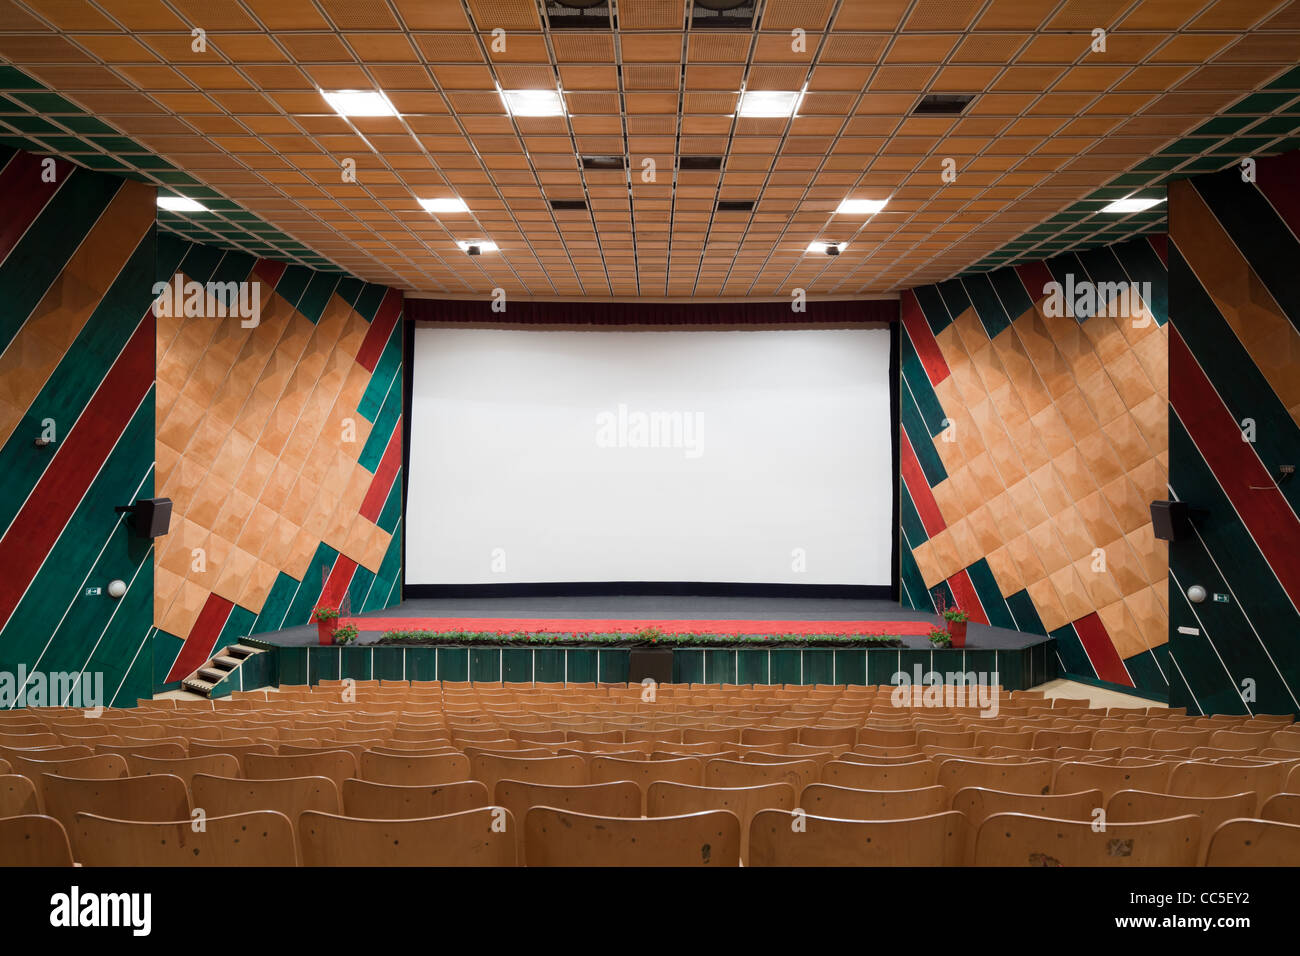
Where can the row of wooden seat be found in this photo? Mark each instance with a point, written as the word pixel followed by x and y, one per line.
pixel 490 836
pixel 19 728
pixel 66 786
pixel 1067 770
pixel 367 766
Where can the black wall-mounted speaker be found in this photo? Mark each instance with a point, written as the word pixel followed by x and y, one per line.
pixel 151 517
pixel 1171 520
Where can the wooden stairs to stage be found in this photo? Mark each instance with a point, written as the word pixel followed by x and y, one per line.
pixel 219 667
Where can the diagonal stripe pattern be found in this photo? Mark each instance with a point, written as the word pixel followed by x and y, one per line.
pixel 1032 443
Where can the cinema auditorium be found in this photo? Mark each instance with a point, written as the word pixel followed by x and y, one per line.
pixel 648 433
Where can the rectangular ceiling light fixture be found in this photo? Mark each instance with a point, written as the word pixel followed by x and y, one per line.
pixel 578 15
pixel 445 204
pixel 942 104
pixel 1131 205
pixel 604 162
pixel 533 102
pixel 723 14
pixel 829 248
pixel 769 104
pixel 735 205
pixel 570 204
pixel 473 247
pixel 860 207
pixel 180 204
pixel 699 162
pixel 359 102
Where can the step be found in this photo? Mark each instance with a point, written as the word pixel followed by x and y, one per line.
pixel 240 651
pixel 225 663
pixel 210 674
pixel 197 686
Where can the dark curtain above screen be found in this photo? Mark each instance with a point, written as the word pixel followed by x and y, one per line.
pixel 479 311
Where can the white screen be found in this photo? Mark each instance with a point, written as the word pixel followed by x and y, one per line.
pixel 556 457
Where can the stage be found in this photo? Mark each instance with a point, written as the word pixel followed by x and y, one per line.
pixel 1019 660
pixel 668 612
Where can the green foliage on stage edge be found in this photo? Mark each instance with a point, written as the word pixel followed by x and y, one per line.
pixel 649 637
pixel 346 634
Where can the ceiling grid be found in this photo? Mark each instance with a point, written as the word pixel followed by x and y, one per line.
pixel 1056 130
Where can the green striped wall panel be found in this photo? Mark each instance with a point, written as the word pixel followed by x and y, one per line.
pixel 1018 670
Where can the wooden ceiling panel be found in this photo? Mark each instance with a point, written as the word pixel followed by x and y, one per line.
pixel 1057 128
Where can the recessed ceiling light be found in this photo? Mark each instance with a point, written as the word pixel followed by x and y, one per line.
pixel 474 246
pixel 769 103
pixel 1131 205
pixel 447 204
pixel 180 204
pixel 359 102
pixel 943 104
pixel 827 247
pixel 860 207
pixel 533 102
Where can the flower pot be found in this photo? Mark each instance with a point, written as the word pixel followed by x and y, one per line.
pixel 958 631
pixel 325 630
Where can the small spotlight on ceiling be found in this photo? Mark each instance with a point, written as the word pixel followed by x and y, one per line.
pixel 473 247
pixel 180 204
pixel 533 102
pixel 769 103
pixel 446 204
pixel 359 102
pixel 830 248
pixel 860 207
pixel 1131 205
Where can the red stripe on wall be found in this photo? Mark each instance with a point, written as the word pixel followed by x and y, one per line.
pixel 918 487
pixel 1034 275
pixel 269 271
pixel 80 455
pixel 1160 243
pixel 1276 179
pixel 382 483
pixel 923 340
pixel 23 194
pixel 336 585
pixel 963 591
pixel 390 310
pixel 203 637
pixel 1265 512
pixel 1105 659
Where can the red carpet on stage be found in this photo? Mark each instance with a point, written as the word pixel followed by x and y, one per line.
pixel 506 625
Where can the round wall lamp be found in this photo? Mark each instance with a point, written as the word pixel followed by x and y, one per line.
pixel 1196 594
pixel 116 588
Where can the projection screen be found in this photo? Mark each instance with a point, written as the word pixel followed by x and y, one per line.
pixel 753 457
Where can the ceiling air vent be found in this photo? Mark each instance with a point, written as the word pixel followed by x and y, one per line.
pixel 561 204
pixel 724 14
pixel 580 15
pixel 604 162
pixel 942 104
pixel 735 205
pixel 699 162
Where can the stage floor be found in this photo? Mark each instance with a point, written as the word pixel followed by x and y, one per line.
pixel 662 609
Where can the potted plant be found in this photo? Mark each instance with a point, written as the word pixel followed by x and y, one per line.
pixel 327 622
pixel 940 638
pixel 957 619
pixel 345 634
